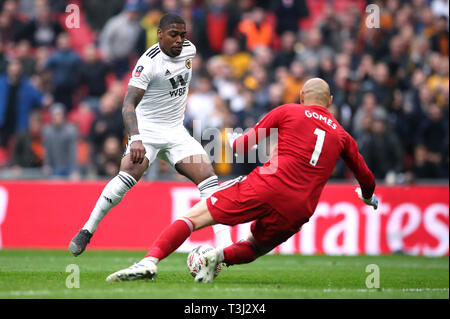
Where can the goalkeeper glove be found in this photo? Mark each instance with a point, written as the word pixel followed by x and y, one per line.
pixel 368 201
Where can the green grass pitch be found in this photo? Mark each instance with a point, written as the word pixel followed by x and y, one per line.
pixel 42 274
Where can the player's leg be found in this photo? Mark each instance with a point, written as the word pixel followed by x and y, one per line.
pixel 243 252
pixel 167 242
pixel 266 233
pixel 176 234
pixel 227 209
pixel 198 169
pixel 111 195
pixel 116 189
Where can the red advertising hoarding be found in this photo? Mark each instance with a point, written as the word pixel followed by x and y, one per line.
pixel 47 214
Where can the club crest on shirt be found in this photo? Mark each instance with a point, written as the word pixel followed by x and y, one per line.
pixel 138 71
pixel 188 63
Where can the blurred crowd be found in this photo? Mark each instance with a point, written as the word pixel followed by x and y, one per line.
pixel 63 79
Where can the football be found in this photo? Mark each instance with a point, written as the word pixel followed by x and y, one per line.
pixel 195 260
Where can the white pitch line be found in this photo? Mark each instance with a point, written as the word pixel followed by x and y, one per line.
pixel 387 290
pixel 19 293
pixel 28 292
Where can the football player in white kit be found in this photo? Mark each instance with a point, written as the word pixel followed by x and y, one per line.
pixel 153 113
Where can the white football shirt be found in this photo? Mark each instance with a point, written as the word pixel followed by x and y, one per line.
pixel 166 83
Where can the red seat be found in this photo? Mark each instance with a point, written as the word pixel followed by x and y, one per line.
pixel 316 10
pixel 4 156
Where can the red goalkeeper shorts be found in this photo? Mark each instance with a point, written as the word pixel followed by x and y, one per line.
pixel 236 202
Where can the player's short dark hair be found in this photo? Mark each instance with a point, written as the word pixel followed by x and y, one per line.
pixel 170 18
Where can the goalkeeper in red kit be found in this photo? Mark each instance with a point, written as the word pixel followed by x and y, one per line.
pixel 279 197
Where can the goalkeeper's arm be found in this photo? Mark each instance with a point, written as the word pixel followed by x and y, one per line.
pixel 354 160
pixel 241 143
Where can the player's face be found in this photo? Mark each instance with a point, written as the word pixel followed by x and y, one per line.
pixel 171 39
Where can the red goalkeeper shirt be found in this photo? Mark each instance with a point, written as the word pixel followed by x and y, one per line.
pixel 310 142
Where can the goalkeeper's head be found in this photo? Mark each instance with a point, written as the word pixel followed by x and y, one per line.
pixel 316 91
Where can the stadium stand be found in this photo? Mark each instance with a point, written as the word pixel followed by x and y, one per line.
pixel 390 84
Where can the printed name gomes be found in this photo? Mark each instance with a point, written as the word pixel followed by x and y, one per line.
pixel 320 117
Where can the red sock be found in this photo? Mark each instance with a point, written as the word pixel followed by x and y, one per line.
pixel 239 253
pixel 171 238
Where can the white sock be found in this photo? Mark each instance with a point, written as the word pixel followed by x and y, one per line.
pixel 221 257
pixel 112 194
pixel 223 235
pixel 149 259
pixel 222 232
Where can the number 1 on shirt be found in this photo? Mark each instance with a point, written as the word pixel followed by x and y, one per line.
pixel 318 148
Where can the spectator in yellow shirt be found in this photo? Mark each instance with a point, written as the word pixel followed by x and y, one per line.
pixel 238 60
pixel 294 82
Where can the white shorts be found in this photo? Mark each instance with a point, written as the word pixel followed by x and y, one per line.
pixel 171 144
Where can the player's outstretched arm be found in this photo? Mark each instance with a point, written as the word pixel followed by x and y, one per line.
pixel 242 143
pixel 132 99
pixel 354 160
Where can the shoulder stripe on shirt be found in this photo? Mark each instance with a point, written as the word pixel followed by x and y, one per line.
pixel 155 54
pixel 152 51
